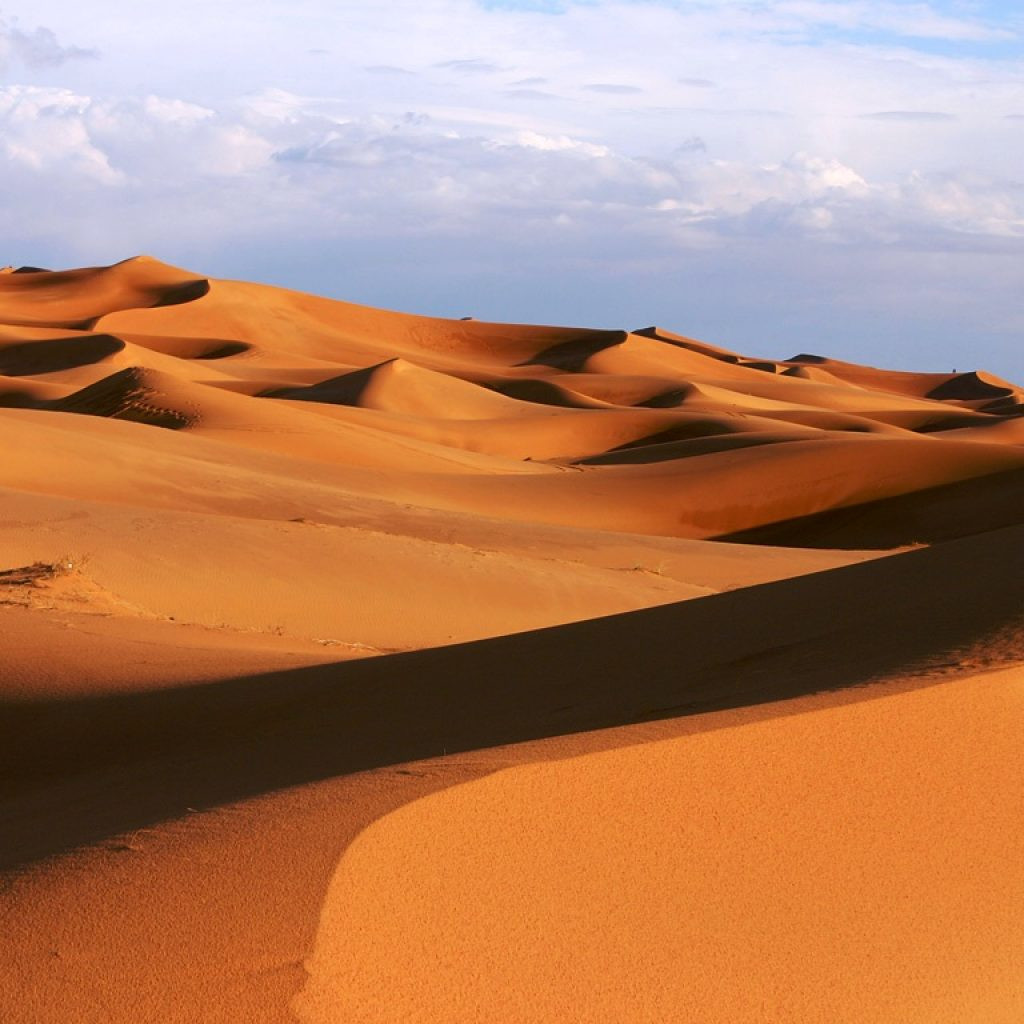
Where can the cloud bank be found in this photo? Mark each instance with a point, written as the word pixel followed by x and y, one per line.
pixel 824 168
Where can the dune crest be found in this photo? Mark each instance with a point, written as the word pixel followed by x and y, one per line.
pixel 499 406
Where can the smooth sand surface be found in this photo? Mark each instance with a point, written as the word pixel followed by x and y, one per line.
pixel 786 870
pixel 361 666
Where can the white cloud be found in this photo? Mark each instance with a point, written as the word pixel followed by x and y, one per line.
pixel 613 135
pixel 46 130
pixel 419 173
pixel 171 111
pixel 556 144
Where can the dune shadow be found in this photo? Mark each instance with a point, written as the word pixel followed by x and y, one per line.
pixel 539 392
pixel 188 291
pixel 224 350
pixel 1006 408
pixel 670 398
pixel 928 516
pixel 27 358
pixel 128 395
pixel 645 451
pixel 571 356
pixel 77 770
pixel 344 389
pixel 806 357
pixel 968 387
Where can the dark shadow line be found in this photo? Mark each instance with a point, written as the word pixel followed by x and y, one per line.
pixel 929 516
pixel 147 757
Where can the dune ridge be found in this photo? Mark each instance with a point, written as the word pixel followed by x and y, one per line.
pixel 360 665
pixel 554 418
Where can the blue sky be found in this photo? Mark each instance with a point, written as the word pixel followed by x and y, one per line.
pixel 819 175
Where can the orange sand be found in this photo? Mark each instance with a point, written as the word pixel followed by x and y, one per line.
pixel 786 870
pixel 273 567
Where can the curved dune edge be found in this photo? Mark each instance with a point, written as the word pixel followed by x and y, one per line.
pixel 209 843
pixel 860 863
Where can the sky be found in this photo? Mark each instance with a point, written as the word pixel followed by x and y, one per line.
pixel 843 177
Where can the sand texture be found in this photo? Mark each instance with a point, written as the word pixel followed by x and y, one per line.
pixel 367 667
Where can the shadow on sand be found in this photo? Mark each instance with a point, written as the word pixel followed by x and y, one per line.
pixel 77 770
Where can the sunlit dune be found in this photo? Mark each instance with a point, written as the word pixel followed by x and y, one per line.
pixel 365 666
pixel 786 870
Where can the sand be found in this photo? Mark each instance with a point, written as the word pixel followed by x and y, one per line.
pixel 361 666
pixel 788 870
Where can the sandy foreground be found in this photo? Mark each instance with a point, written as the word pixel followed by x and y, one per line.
pixel 359 666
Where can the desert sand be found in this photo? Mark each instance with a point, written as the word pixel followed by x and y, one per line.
pixel 360 666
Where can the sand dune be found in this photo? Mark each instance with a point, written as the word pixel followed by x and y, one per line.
pixel 706 667
pixel 558 910
pixel 78 298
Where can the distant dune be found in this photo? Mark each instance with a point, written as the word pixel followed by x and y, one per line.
pixel 363 667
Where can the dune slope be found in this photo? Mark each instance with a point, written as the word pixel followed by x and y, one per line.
pixel 645 432
pixel 789 870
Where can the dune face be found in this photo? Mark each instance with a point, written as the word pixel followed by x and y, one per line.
pixel 733 903
pixel 496 672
